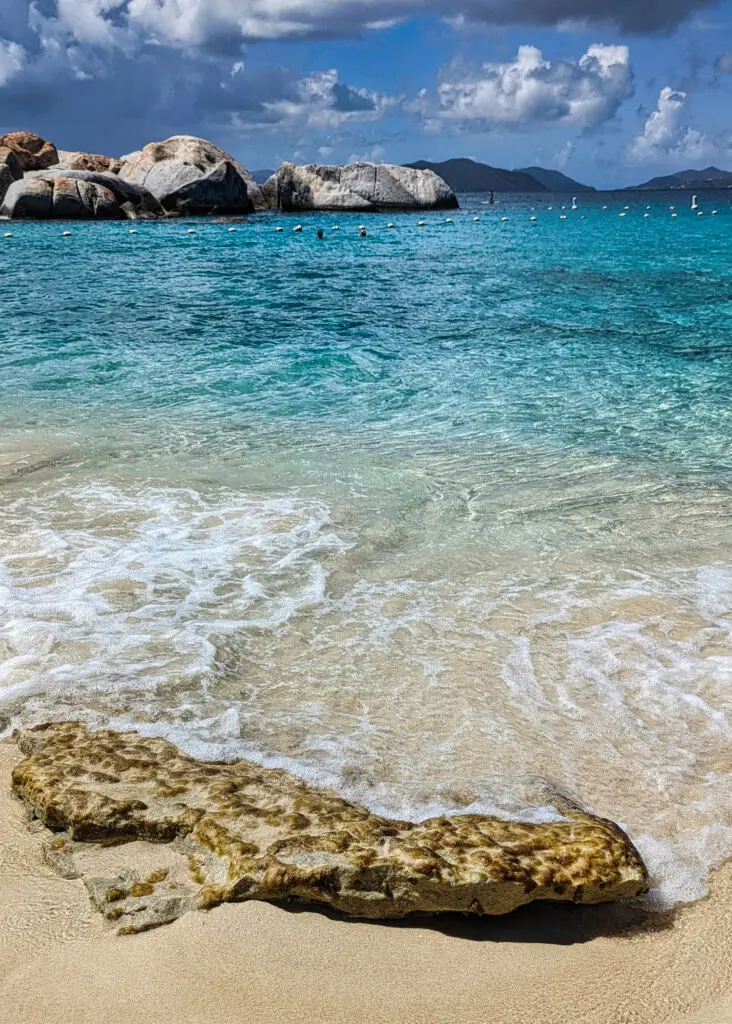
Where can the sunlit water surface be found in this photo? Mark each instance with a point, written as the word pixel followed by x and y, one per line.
pixel 440 517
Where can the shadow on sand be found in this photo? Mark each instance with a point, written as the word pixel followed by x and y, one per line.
pixel 558 924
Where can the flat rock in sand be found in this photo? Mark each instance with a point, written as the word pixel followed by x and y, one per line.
pixel 239 831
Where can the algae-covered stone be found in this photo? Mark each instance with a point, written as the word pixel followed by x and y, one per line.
pixel 247 832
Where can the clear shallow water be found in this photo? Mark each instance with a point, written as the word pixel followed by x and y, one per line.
pixel 440 517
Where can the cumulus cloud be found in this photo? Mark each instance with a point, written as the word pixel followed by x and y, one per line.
pixel 563 155
pixel 320 101
pixel 665 136
pixel 223 23
pixel 531 90
pixel 12 60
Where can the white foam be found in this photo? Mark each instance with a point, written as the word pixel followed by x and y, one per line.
pixel 102 589
pixel 215 622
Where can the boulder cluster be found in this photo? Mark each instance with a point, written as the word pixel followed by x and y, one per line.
pixel 188 176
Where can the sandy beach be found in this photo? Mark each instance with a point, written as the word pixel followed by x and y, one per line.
pixel 263 963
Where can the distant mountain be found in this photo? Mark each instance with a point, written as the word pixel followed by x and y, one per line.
pixel 555 181
pixel 710 177
pixel 261 176
pixel 463 175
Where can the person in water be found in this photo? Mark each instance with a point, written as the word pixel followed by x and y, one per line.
pixel 490 200
pixel 320 233
pixel 362 233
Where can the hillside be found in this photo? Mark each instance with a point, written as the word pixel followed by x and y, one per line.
pixel 710 177
pixel 463 175
pixel 555 181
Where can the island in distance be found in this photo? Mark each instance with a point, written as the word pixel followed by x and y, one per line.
pixel 710 177
pixel 465 175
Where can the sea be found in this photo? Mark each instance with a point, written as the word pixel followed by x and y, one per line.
pixel 439 517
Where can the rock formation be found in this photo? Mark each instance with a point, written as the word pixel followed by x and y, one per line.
pixel 33 152
pixel 10 170
pixel 77 195
pixel 73 195
pixel 238 831
pixel 193 176
pixel 360 186
pixel 75 161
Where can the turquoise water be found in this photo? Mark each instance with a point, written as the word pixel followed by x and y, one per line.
pixel 440 517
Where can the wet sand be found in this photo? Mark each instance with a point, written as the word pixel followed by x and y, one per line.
pixel 263 964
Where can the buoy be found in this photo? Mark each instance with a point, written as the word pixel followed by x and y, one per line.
pixel 476 219
pixel 674 214
pixel 421 223
pixel 621 215
pixel 672 207
pixel 335 228
pixel 449 220
pixel 532 218
pixel 65 234
pixel 714 213
pixel 700 213
pixel 8 234
pixel 133 231
pixel 390 225
pixel 646 215
pixel 504 219
pixel 550 207
pixel 604 207
pixel 279 229
pixel 626 207
pixel 191 231
pixel 297 229
pixel 582 216
pixel 562 216
pixel 231 229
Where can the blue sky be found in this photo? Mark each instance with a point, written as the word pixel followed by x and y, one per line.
pixel 611 93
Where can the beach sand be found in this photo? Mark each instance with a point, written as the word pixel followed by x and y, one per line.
pixel 254 963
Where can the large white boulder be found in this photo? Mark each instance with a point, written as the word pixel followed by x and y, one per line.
pixel 194 176
pixel 74 195
pixel 359 186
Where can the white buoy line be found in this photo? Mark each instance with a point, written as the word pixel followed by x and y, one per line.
pixel 532 219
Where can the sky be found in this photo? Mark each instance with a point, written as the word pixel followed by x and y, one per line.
pixel 611 93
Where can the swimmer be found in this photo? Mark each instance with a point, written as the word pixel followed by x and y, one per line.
pixel 362 233
pixel 320 233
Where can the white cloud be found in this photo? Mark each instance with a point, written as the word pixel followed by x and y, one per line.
pixel 12 60
pixel 319 101
pixel 531 90
pixel 563 155
pixel 666 137
pixel 190 23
